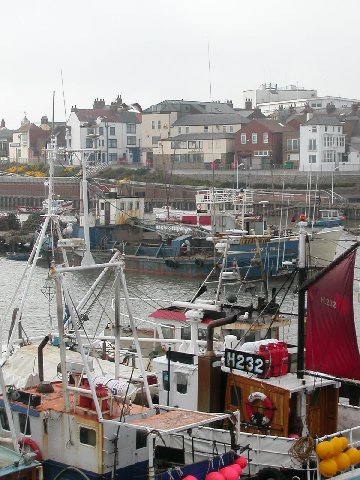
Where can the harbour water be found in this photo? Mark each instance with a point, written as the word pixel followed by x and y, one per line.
pixel 147 294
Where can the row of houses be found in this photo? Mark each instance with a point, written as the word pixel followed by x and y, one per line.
pixel 180 134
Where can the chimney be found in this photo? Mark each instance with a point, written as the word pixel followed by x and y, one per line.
pixel 99 103
pixel 74 109
pixel 354 108
pixel 44 120
pixel 248 104
pixel 2 123
pixel 230 103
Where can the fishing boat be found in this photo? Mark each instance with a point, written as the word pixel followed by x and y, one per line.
pixel 328 218
pixel 58 206
pixel 78 414
pixel 288 395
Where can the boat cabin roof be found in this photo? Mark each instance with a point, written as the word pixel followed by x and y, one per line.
pixel 289 382
pixel 165 419
pixel 175 316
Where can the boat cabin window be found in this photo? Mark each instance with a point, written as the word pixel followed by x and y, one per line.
pixel 141 439
pixel 186 333
pixel 88 436
pixel 24 424
pixel 168 332
pixel 182 382
pixel 235 396
pixel 165 380
pixel 4 420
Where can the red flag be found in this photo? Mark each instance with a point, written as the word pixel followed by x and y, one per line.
pixel 331 344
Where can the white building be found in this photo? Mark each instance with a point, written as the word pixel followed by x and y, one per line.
pixel 322 144
pixel 113 131
pixel 272 94
pixel 315 103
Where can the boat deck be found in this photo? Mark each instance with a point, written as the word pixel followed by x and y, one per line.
pixel 161 419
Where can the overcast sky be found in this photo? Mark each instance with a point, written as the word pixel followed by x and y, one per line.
pixel 152 50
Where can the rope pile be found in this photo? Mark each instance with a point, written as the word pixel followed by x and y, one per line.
pixel 302 449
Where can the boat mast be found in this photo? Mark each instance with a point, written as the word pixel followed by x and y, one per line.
pixel 87 258
pixel 301 301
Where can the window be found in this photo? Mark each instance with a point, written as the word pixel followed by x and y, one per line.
pixel 314 128
pixel 179 130
pixel 187 130
pixel 231 128
pixel 88 436
pixel 153 125
pixel 131 140
pixel 325 129
pixel 177 144
pixel 130 128
pixel 292 144
pixel 312 158
pixel 340 141
pixel 159 124
pixel 328 141
pixel 165 380
pixel 112 131
pixel 328 157
pixel 112 157
pixel 195 144
pixel 206 129
pixel 130 206
pixel 137 205
pixel 262 153
pixel 155 140
pixel 235 396
pixel 224 128
pixel 265 137
pixel 89 143
pixel 312 144
pixel 243 138
pixel 4 420
pixel 112 143
pixel 339 129
pixel 24 424
pixel 182 382
pixel 141 438
pixel 90 131
pixel 254 137
pixel 101 130
pixel 195 158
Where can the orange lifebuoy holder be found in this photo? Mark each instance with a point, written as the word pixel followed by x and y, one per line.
pixel 32 444
pixel 253 414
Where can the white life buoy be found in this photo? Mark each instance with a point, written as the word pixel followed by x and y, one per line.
pixel 268 408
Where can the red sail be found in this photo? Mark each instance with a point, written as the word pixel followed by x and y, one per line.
pixel 331 344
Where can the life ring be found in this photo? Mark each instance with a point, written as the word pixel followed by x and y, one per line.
pixel 32 444
pixel 268 409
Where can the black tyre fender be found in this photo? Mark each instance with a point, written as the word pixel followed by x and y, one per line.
pixel 270 473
